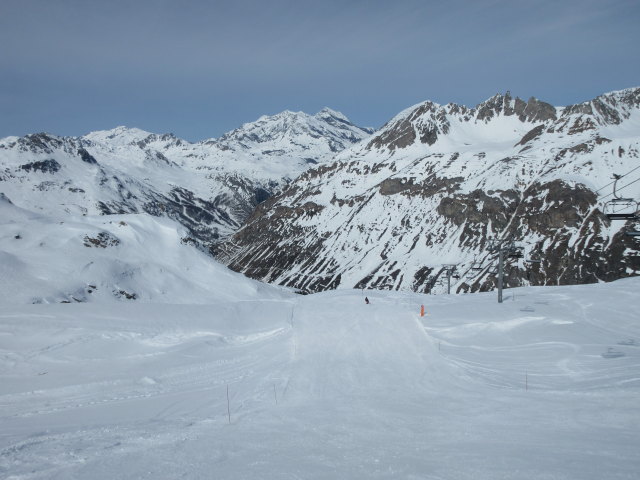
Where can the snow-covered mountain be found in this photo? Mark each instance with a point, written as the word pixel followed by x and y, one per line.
pixel 436 182
pixel 294 139
pixel 210 187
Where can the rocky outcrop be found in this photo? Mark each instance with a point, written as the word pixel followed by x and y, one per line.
pixel 43 166
pixel 424 123
pixel 101 240
pixel 531 111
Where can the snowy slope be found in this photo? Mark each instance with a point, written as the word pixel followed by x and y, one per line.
pixel 210 187
pixel 106 259
pixel 542 386
pixel 431 187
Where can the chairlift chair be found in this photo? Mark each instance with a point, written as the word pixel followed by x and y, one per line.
pixel 620 208
pixel 533 257
pixel 515 252
pixel 476 266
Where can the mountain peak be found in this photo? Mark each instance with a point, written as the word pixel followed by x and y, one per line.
pixel 120 135
pixel 630 96
pixel 532 110
pixel 327 112
pixel 295 135
pixel 608 109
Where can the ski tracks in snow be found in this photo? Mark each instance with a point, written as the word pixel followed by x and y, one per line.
pixel 137 385
pixel 325 387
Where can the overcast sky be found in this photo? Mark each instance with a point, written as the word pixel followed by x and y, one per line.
pixel 201 68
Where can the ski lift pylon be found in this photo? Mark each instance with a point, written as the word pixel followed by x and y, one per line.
pixel 515 252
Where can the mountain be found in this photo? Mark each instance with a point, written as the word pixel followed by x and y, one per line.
pixel 210 187
pixel 436 183
pixel 294 138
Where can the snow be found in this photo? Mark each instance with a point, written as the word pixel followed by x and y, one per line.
pixel 544 385
pixel 97 258
pixel 119 136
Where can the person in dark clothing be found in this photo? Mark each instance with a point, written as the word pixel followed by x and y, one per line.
pixel 366 300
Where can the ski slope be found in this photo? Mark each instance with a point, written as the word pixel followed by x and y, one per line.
pixel 543 386
pixel 131 257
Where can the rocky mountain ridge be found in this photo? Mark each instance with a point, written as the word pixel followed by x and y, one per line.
pixel 210 187
pixel 434 184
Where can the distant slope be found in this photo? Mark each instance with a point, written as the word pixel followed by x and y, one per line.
pixel 436 182
pixel 68 259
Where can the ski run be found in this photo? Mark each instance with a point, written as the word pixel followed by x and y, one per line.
pixel 281 386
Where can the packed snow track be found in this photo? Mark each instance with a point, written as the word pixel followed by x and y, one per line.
pixel 543 386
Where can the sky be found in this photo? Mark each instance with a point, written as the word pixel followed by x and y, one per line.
pixel 200 68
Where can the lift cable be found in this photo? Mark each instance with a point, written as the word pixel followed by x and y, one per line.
pixel 621 176
pixel 620 188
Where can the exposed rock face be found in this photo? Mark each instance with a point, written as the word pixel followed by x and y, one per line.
pixel 433 185
pixel 44 166
pixel 425 123
pixel 102 240
pixel 531 135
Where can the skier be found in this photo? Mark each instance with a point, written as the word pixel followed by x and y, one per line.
pixel 366 300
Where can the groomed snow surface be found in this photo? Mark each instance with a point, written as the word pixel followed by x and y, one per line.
pixel 543 386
